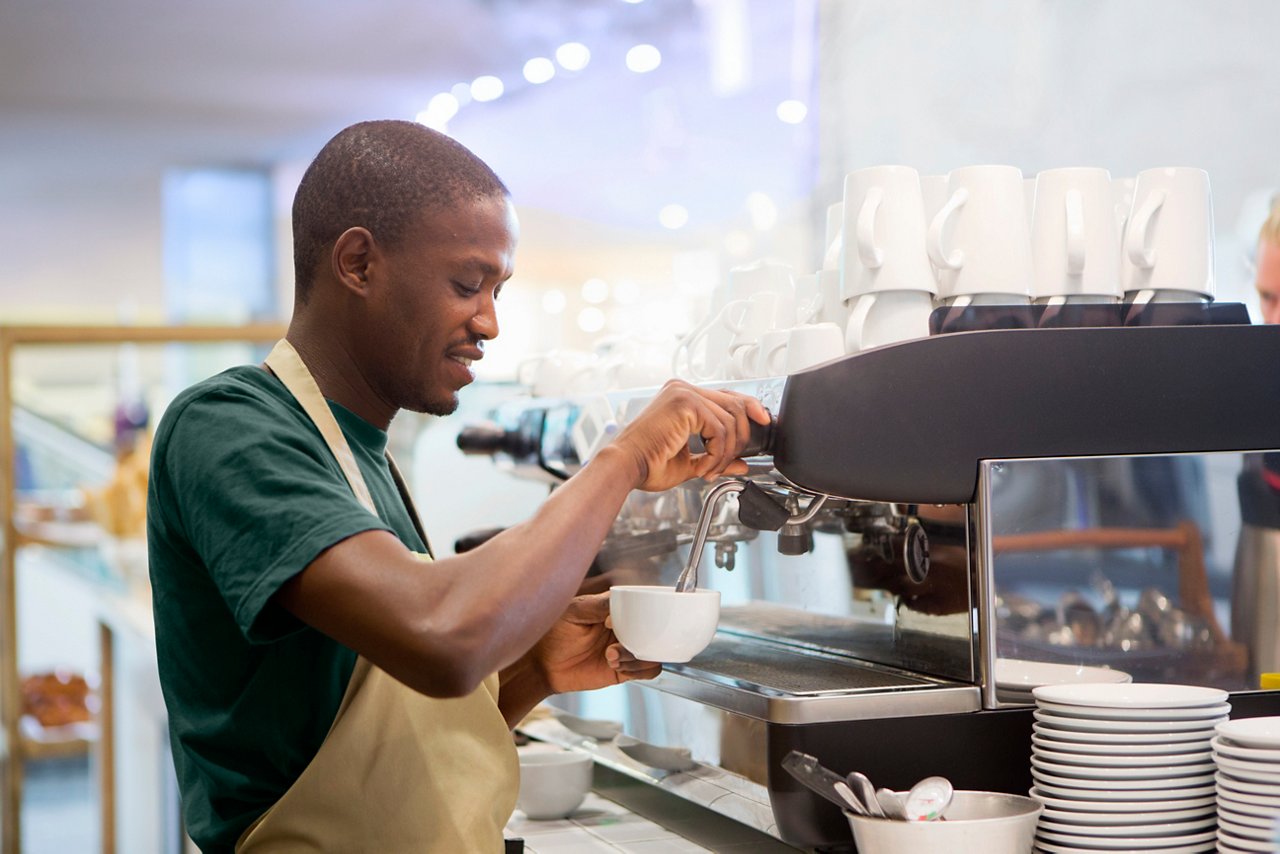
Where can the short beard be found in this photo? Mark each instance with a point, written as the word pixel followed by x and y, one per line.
pixel 440 407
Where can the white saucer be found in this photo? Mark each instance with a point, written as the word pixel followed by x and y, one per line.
pixel 1265 822
pixel 1112 749
pixel 1017 673
pixel 1236 751
pixel 1072 817
pixel 1200 713
pixel 1123 790
pixel 1122 738
pixel 1121 807
pixel 1254 772
pixel 1151 832
pixel 1149 772
pixel 1120 760
pixel 1244 831
pixel 1252 732
pixel 1139 695
pixel 1054 848
pixel 1070 724
pixel 1229 781
pixel 1126 842
pixel 1230 843
pixel 1249 802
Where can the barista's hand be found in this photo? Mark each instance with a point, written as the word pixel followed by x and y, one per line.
pixel 659 437
pixel 580 653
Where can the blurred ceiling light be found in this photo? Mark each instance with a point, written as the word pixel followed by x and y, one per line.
pixel 633 2
pixel 792 111
pixel 762 210
pixel 673 216
pixel 440 109
pixel 486 88
pixel 539 70
pixel 554 301
pixel 461 91
pixel 643 58
pixel 728 44
pixel 591 319
pixel 595 290
pixel 573 56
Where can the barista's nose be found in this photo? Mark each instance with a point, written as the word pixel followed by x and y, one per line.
pixel 484 323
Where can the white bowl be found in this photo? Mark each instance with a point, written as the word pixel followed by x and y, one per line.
pixel 976 823
pixel 656 623
pixel 553 784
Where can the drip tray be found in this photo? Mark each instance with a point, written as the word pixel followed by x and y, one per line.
pixel 781 684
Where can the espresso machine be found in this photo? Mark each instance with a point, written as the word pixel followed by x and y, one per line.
pixel 927 529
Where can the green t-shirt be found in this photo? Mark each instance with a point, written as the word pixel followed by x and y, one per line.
pixel 244 495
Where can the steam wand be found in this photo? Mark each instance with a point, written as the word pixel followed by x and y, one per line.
pixel 756 509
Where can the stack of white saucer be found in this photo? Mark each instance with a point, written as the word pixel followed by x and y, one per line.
pixel 1017 678
pixel 1247 753
pixel 1125 767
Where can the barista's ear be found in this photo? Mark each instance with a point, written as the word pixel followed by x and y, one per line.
pixel 354 253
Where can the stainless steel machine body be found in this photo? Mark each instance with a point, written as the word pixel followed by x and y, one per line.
pixel 997 501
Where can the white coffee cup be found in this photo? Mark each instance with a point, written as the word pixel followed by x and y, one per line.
pixel 771 353
pixel 833 244
pixel 884 231
pixel 1122 196
pixel 704 353
pixel 979 240
pixel 1074 245
pixel 812 345
pixel 1168 240
pixel 657 623
pixel 553 783
pixel 559 372
pixel 887 318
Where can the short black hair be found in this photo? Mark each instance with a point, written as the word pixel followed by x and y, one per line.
pixel 382 176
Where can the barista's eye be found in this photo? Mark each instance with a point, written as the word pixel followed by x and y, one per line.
pixel 466 290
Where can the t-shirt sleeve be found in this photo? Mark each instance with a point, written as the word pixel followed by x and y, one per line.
pixel 255 495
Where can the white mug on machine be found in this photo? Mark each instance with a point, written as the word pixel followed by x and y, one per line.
pixel 812 345
pixel 884 231
pixel 1074 244
pixel 979 240
pixel 887 318
pixel 1168 240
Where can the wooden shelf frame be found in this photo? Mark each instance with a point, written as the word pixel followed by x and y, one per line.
pixel 13 337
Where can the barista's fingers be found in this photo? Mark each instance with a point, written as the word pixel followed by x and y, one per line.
pixel 718 432
pixel 627 666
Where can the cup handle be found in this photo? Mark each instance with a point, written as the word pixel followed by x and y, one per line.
pixel 1136 236
pixel 937 254
pixel 857 321
pixel 685 347
pixel 767 359
pixel 869 254
pixel 1075 232
pixel 740 361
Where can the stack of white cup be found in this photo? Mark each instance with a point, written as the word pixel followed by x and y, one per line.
pixel 885 277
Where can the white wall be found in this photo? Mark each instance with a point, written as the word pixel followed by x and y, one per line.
pixel 938 84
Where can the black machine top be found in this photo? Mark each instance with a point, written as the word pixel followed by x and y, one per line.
pixel 910 422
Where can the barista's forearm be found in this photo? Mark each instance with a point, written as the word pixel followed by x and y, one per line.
pixel 531 570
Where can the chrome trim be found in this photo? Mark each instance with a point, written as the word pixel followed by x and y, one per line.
pixel 984 572
pixel 828 708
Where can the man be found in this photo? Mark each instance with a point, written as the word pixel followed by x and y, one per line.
pixel 1267 280
pixel 327 689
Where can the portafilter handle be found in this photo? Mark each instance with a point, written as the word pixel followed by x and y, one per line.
pixel 759 441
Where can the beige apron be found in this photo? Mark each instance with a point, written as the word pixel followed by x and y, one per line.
pixel 398 771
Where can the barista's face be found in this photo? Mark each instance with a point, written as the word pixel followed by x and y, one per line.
pixel 438 306
pixel 1268 280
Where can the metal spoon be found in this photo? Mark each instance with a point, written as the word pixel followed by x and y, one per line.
pixel 928 799
pixel 866 793
pixel 891 803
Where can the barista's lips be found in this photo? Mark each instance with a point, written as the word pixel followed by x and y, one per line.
pixel 460 362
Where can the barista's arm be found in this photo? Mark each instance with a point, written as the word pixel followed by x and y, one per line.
pixel 442 627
